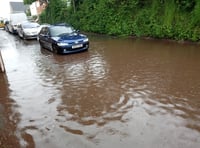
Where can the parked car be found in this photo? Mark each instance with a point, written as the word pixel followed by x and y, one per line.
pixel 6 25
pixel 2 25
pixel 62 39
pixel 14 20
pixel 28 30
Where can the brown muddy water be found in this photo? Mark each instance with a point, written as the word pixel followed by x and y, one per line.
pixel 131 93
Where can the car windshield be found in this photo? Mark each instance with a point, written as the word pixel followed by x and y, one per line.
pixel 59 30
pixel 30 25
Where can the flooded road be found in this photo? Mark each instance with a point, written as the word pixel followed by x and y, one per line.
pixel 120 93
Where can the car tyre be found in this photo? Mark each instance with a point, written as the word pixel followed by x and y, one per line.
pixel 40 43
pixel 55 50
pixel 23 36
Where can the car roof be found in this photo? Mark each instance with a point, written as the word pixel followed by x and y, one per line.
pixel 28 22
pixel 55 25
pixel 62 24
pixel 44 25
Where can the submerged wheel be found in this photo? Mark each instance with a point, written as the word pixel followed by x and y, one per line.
pixel 41 46
pixel 54 49
pixel 23 36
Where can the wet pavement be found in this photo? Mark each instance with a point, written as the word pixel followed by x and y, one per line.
pixel 120 93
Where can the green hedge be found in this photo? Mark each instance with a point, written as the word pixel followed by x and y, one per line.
pixel 173 19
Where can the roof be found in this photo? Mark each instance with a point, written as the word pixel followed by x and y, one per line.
pixel 62 24
pixel 17 7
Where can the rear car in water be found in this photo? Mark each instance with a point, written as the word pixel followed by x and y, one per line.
pixel 28 30
pixel 62 39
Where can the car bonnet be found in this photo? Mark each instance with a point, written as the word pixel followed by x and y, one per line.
pixel 70 37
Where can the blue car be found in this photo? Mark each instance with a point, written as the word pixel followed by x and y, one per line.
pixel 62 39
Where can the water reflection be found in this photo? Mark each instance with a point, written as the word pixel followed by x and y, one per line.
pixel 8 117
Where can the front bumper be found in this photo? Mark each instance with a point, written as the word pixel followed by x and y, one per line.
pixel 30 36
pixel 69 49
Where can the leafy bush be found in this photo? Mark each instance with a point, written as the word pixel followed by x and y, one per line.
pixel 174 19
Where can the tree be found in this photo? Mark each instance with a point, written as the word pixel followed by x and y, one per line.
pixel 54 12
pixel 28 1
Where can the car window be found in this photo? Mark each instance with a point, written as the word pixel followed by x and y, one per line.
pixel 44 31
pixel 58 30
pixel 31 25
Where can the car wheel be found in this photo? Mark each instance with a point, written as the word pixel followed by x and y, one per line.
pixel 40 43
pixel 6 28
pixel 24 37
pixel 54 49
pixel 12 31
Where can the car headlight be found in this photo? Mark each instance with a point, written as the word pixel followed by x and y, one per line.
pixel 86 40
pixel 62 44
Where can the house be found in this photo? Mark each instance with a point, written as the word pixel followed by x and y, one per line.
pixel 37 7
pixel 17 7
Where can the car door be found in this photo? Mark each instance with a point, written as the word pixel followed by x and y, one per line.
pixel 48 39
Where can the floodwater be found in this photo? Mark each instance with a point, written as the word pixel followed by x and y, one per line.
pixel 139 93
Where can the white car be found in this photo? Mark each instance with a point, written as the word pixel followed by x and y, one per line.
pixel 28 30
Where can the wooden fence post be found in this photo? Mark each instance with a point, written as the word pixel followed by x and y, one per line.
pixel 2 67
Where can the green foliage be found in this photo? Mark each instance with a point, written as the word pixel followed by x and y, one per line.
pixel 28 1
pixel 174 19
pixel 186 5
pixel 55 12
